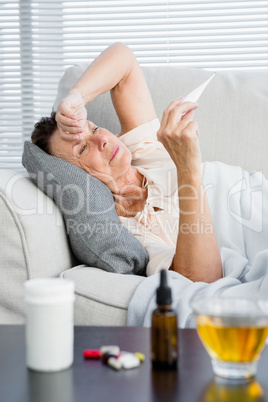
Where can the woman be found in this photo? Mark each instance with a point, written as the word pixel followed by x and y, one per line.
pixel 137 166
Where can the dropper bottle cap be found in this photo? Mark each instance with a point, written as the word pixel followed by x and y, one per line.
pixel 163 292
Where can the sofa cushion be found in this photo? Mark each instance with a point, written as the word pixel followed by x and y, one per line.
pixel 96 236
pixel 33 241
pixel 102 298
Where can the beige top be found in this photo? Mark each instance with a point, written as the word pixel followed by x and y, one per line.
pixel 157 229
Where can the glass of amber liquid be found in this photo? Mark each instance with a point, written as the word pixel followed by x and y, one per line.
pixel 233 331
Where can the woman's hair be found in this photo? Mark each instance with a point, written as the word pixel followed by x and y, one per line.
pixel 43 131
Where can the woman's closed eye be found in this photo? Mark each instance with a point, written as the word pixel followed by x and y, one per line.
pixel 82 149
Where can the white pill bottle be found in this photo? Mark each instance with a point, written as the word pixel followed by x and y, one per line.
pixel 49 324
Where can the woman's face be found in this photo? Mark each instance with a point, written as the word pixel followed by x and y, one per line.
pixel 98 152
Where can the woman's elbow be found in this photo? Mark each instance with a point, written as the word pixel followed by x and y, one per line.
pixel 214 272
pixel 122 48
pixel 208 273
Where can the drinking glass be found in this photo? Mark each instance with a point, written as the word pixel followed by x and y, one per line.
pixel 233 331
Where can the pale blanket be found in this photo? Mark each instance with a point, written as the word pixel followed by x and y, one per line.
pixel 239 206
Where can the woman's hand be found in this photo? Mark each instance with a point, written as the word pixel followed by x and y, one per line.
pixel 71 115
pixel 197 255
pixel 179 134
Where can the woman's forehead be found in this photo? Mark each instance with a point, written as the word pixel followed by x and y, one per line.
pixel 60 147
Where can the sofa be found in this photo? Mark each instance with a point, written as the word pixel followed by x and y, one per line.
pixel 233 123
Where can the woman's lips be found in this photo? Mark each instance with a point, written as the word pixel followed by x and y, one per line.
pixel 114 152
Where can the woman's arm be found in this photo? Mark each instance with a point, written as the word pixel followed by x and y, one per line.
pixel 197 253
pixel 116 70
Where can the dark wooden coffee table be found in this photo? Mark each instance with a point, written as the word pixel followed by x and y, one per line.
pixel 88 381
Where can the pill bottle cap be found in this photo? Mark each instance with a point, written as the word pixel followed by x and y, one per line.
pixel 163 293
pixel 48 290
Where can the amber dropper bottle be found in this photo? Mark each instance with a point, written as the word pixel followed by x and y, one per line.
pixel 164 344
